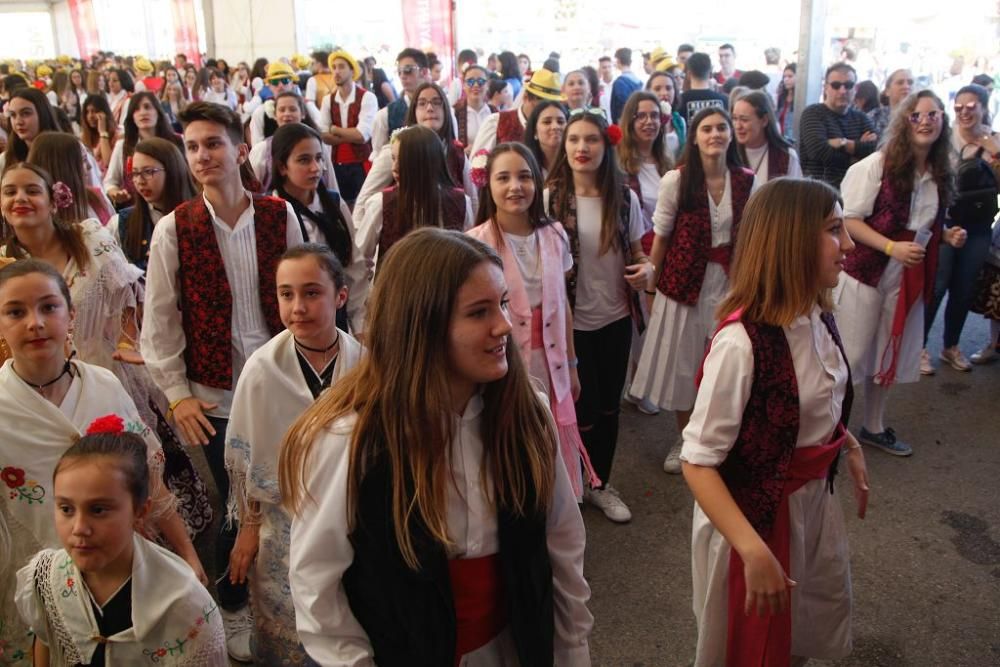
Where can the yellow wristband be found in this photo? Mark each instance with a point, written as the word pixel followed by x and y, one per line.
pixel 888 248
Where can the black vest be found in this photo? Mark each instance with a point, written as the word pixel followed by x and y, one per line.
pixel 409 615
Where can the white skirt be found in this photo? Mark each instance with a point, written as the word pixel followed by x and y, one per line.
pixel 864 317
pixel 819 562
pixel 675 344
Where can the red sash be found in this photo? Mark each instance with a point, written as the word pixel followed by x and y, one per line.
pixel 756 641
pixel 721 254
pixel 480 606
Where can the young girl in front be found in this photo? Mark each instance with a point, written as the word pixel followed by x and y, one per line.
pixel 536 257
pixel 109 596
pixel 287 374
pixel 51 399
pixel 603 220
pixel 769 554
pixel 432 522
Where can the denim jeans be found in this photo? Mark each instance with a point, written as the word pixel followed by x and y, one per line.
pixel 957 271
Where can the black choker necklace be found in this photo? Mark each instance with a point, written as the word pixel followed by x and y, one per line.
pixel 314 349
pixel 66 370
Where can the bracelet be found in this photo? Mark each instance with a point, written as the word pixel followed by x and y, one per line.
pixel 888 248
pixel 574 362
pixel 854 446
pixel 125 345
pixel 105 135
pixel 650 292
pixel 174 404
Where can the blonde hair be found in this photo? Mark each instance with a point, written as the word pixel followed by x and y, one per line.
pixel 774 277
pixel 401 394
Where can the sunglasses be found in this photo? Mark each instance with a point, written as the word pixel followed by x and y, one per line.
pixel 284 81
pixel 593 111
pixel 837 85
pixel 472 83
pixel 968 107
pixel 932 116
pixel 407 69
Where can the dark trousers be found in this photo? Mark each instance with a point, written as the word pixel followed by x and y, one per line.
pixel 350 178
pixel 603 356
pixel 232 597
pixel 957 272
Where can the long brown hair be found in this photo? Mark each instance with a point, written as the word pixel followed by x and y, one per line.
pixel 900 167
pixel 401 394
pixel 17 149
pixel 774 277
pixel 628 153
pixel 764 109
pixel 423 172
pixel 447 131
pixel 162 130
pixel 693 173
pixel 609 181
pixel 69 233
pixel 62 156
pixel 488 207
pixel 178 187
pixel 89 134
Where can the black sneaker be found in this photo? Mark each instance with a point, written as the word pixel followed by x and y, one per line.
pixel 886 441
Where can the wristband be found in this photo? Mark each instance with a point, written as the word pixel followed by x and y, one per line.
pixel 105 135
pixel 125 345
pixel 174 404
pixel 888 248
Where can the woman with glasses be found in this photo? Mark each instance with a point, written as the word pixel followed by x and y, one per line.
pixel 759 141
pixel 145 120
pixel 959 267
pixel 894 203
pixel 472 109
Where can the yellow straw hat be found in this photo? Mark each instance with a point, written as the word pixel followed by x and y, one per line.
pixel 280 70
pixel 546 85
pixel 348 58
pixel 142 65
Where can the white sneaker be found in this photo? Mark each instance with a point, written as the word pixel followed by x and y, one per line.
pixel 644 405
pixel 239 628
pixel 672 464
pixel 609 501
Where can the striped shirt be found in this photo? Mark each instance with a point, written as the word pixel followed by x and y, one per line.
pixel 818 125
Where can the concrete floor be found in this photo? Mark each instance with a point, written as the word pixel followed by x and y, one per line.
pixel 926 560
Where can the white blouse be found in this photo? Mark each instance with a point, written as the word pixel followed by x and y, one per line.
pixel 321 552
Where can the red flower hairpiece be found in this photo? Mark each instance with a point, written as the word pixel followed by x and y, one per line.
pixel 107 424
pixel 478 174
pixel 62 196
pixel 614 134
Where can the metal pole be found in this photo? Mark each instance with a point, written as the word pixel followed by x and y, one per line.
pixel 812 48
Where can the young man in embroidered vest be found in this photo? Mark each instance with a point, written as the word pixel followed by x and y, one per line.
pixel 507 126
pixel 348 127
pixel 321 83
pixel 411 66
pixel 211 301
pixel 471 111
pixel 280 78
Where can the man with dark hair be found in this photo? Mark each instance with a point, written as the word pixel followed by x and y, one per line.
pixel 699 94
pixel 606 72
pixel 180 62
pixel 346 118
pixel 411 67
pixel 684 52
pixel 626 83
pixel 727 65
pixel 833 135
pixel 211 301
pixel 321 83
pixel 754 80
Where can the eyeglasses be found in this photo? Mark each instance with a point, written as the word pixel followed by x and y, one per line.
pixel 472 83
pixel 144 175
pixel 917 116
pixel 593 111
pixel 284 81
pixel 837 85
pixel 968 107
pixel 435 103
pixel 644 116
pixel 407 69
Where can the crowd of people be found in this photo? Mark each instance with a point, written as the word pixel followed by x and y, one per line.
pixel 400 326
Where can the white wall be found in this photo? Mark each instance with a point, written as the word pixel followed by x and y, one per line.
pixel 65 36
pixel 248 29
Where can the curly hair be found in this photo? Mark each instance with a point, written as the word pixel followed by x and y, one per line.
pixel 900 168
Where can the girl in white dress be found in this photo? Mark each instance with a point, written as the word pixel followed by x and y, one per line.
pixel 759 139
pixel 769 556
pixel 432 468
pixel 698 211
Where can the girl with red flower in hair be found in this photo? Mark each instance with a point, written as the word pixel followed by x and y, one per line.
pixel 603 219
pixel 695 225
pixel 77 600
pixel 51 399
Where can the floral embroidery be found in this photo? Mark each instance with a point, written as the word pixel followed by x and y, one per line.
pixel 176 646
pixel 65 571
pixel 14 656
pixel 20 487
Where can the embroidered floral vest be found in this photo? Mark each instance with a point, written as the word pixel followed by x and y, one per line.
pixel 455 160
pixel 452 216
pixel 777 163
pixel 755 469
pixel 509 127
pixel 687 251
pixel 206 298
pixel 461 108
pixel 359 152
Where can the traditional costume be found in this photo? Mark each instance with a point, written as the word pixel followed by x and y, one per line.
pixel 276 375
pixel 535 267
pixel 771 415
pixel 769 164
pixel 508 590
pixel 693 282
pixel 880 303
pixel 357 111
pixel 162 614
pixel 29 453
